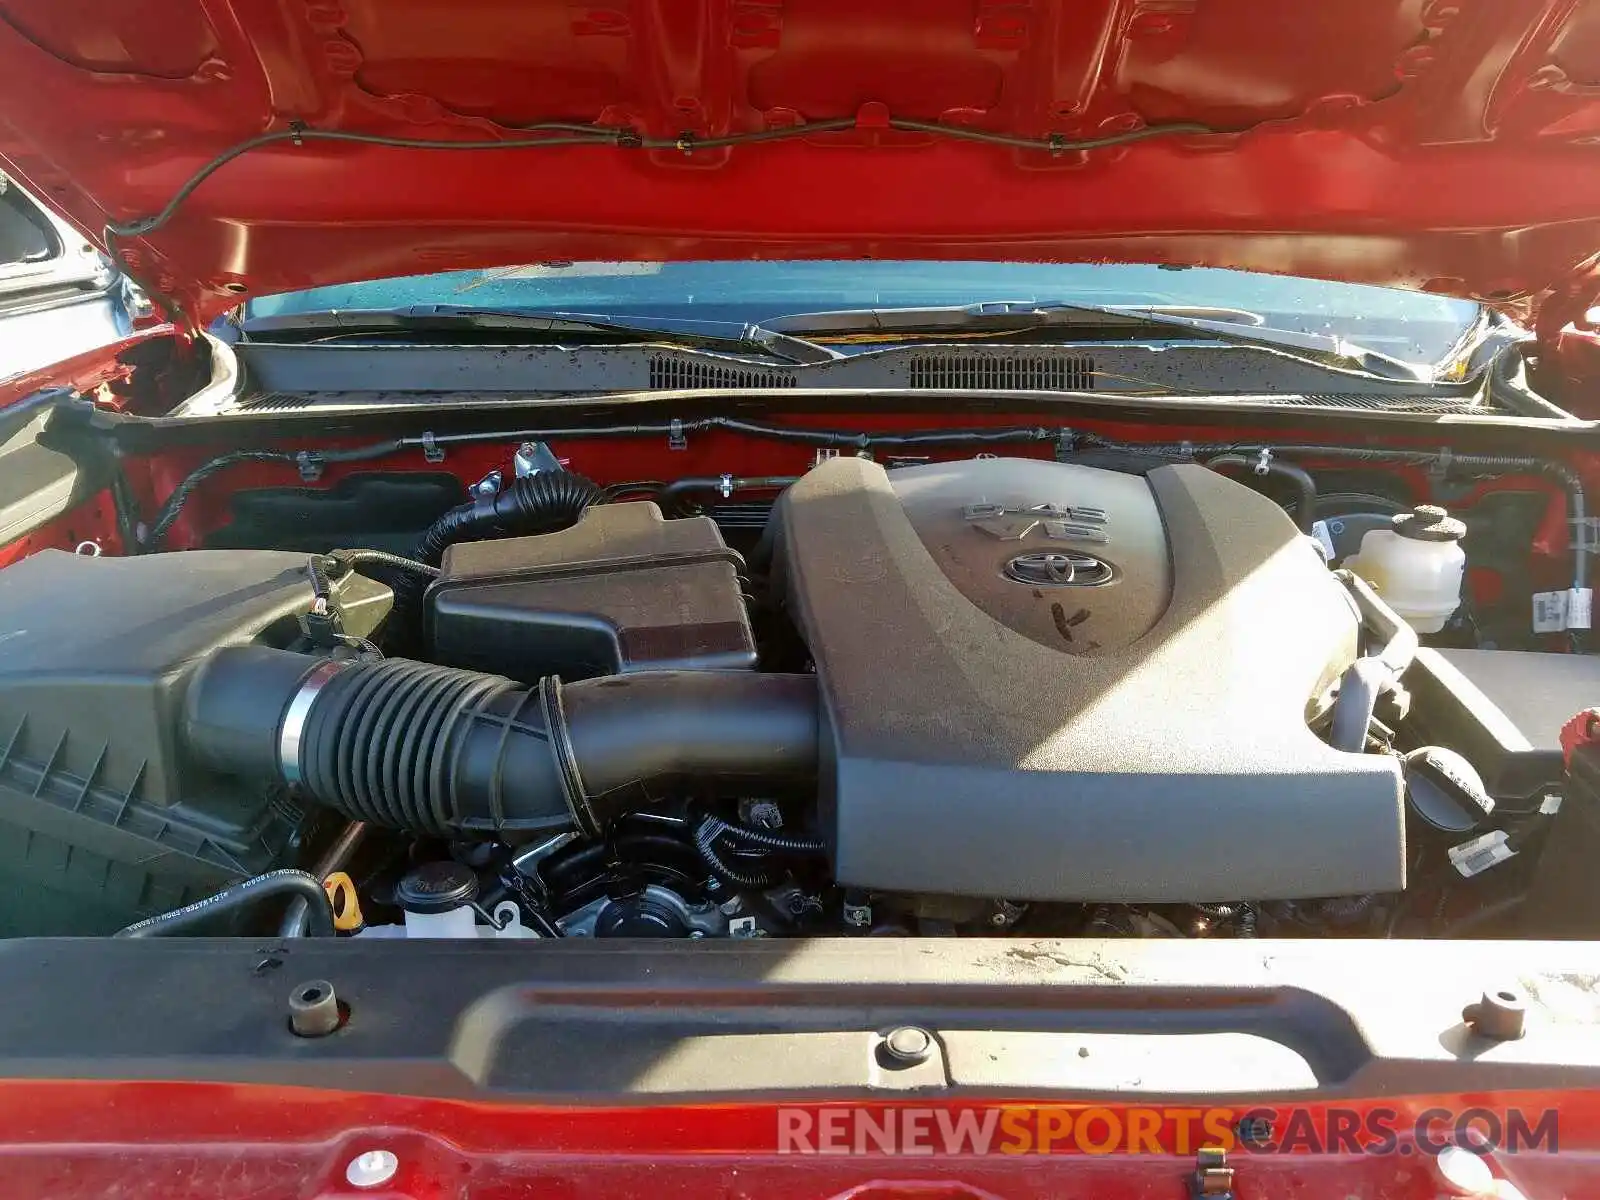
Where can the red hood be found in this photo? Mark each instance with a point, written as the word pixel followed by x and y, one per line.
pixel 1438 144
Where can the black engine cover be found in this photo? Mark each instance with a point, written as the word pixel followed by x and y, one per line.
pixel 1044 681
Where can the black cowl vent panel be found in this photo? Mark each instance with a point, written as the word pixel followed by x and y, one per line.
pixel 994 729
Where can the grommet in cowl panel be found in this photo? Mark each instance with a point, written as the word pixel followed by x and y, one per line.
pixel 313 1009
pixel 907 1045
pixel 371 1169
pixel 1501 1015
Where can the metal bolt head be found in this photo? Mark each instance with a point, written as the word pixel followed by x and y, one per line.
pixel 371 1169
pixel 908 1044
pixel 1006 913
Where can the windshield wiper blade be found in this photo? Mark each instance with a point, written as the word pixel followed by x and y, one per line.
pixel 447 318
pixel 1234 326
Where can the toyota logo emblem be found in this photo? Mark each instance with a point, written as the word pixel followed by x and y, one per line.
pixel 1059 568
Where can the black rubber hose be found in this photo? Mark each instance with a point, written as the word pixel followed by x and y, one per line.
pixel 826 438
pixel 1446 459
pixel 318 571
pixel 676 496
pixel 1345 910
pixel 1241 917
pixel 857 440
pixel 1371 675
pixel 323 568
pixel 354 560
pixel 167 515
pixel 1362 683
pixel 713 829
pixel 443 752
pixel 247 894
pixel 1305 508
pixel 1580 535
pixel 541 503
pixel 1397 640
pixel 766 839
pixel 705 841
pixel 169 512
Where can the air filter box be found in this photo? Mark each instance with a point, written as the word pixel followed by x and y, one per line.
pixel 623 590
pixel 104 818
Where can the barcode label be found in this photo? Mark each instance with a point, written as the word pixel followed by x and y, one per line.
pixel 1481 853
pixel 1324 537
pixel 1580 607
pixel 1550 612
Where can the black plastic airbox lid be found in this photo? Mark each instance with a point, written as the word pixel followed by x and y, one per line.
pixel 623 590
pixel 1503 709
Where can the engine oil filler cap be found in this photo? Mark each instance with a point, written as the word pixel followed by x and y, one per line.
pixel 1429 523
pixel 436 887
pixel 1445 791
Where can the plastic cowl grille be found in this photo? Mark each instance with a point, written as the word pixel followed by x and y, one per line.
pixel 1004 372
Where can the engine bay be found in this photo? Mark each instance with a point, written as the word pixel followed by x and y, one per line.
pixel 1153 689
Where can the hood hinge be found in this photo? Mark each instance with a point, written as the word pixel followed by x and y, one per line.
pixel 1567 304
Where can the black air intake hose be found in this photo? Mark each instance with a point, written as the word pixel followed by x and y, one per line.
pixel 443 752
pixel 541 503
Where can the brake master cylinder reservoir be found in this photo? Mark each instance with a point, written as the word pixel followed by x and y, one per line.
pixel 1416 565
pixel 440 900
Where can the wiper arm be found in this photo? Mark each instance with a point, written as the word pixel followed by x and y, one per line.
pixel 1235 326
pixel 1334 351
pixel 447 318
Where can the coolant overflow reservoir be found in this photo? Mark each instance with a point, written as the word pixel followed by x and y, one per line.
pixel 1416 565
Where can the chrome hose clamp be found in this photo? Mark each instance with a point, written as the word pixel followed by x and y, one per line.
pixel 291 734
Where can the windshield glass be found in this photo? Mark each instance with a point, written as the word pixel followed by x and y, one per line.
pixel 1406 325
